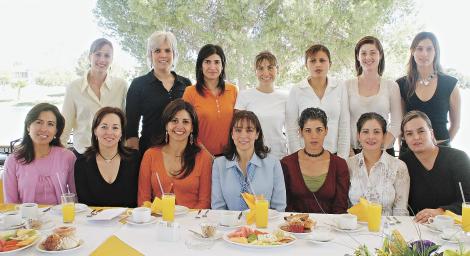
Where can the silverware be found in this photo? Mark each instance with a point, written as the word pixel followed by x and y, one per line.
pixel 197 233
pixel 240 215
pixel 397 220
pixel 47 209
pixel 94 212
pixel 198 212
pixel 390 220
pixel 205 214
pixel 91 213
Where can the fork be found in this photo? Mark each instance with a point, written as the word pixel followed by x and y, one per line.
pixel 94 212
pixel 205 214
pixel 391 221
pixel 198 213
pixel 397 220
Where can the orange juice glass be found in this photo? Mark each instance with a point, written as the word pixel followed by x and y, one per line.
pixel 466 216
pixel 374 217
pixel 68 207
pixel 261 212
pixel 168 207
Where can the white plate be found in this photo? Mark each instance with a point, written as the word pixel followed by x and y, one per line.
pixel 319 242
pixel 298 235
pixel 272 214
pixel 226 239
pixel 41 249
pixel 216 236
pixel 179 210
pixel 239 224
pixel 78 208
pixel 431 228
pixel 357 229
pixel 107 214
pixel 452 241
pixel 23 222
pixel 22 248
pixel 152 220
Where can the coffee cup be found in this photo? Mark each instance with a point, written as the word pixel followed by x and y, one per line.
pixel 441 222
pixel 11 219
pixel 229 218
pixel 347 221
pixel 452 233
pixel 322 234
pixel 141 215
pixel 29 211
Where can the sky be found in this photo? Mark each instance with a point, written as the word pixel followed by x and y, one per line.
pixel 53 33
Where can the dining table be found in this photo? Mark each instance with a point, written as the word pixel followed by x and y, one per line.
pixel 147 239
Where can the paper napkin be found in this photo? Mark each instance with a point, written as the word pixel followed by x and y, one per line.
pixel 116 247
pixel 360 209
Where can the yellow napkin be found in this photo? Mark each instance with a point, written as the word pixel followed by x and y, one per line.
pixel 360 209
pixel 457 218
pixel 250 200
pixel 116 247
pixel 156 206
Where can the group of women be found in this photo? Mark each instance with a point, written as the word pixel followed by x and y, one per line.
pixel 208 144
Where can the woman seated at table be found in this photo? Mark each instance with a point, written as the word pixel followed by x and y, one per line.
pixel 106 174
pixel 176 162
pixel 40 168
pixel 246 167
pixel 435 171
pixel 316 180
pixel 375 175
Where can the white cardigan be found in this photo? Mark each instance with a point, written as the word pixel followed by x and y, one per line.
pixel 336 106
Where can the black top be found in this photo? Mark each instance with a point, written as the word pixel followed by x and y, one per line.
pixel 436 108
pixel 146 98
pixel 93 190
pixel 439 187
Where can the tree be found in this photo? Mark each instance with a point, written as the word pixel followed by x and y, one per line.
pixel 5 78
pixel 53 77
pixel 83 64
pixel 243 28
pixel 19 84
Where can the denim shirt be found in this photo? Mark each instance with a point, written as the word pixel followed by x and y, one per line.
pixel 264 176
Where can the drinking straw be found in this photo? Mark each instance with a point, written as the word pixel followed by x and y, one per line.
pixel 68 189
pixel 60 184
pixel 461 191
pixel 159 183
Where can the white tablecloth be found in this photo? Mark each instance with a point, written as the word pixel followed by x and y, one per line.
pixel 144 238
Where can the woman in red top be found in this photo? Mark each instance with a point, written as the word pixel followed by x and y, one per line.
pixel 316 180
pixel 182 166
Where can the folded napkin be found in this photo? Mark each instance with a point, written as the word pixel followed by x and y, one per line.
pixel 155 206
pixel 250 200
pixel 457 218
pixel 116 247
pixel 360 209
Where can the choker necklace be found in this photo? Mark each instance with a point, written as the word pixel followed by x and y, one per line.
pixel 426 81
pixel 314 155
pixel 108 160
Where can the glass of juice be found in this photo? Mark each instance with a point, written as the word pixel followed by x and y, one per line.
pixel 261 212
pixel 374 216
pixel 466 217
pixel 68 207
pixel 168 206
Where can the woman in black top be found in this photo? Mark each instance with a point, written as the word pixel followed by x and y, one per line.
pixel 149 94
pixel 435 171
pixel 426 88
pixel 107 173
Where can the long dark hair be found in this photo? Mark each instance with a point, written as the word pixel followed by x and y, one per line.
pixel 261 150
pixel 94 149
pixel 206 51
pixel 192 149
pixel 378 45
pixel 412 70
pixel 25 151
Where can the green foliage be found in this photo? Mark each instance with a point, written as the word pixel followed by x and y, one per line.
pixel 83 64
pixel 54 77
pixel 5 78
pixel 243 28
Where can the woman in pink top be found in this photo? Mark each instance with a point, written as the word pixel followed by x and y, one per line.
pixel 40 168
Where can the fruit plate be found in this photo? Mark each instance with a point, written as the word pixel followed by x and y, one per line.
pixel 40 248
pixel 26 246
pixel 257 246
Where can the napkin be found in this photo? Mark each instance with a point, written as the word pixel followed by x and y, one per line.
pixel 250 201
pixel 360 209
pixel 116 247
pixel 155 206
pixel 457 218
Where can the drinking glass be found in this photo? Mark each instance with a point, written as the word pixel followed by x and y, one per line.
pixel 168 207
pixel 466 216
pixel 68 207
pixel 374 216
pixel 261 212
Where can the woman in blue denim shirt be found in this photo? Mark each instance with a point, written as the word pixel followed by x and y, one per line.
pixel 246 167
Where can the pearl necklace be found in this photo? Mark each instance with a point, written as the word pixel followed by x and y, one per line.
pixel 426 81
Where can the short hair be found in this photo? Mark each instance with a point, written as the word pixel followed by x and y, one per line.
pixel 94 148
pixel 206 51
pixel 25 151
pixel 371 116
pixel 265 55
pixel 413 115
pixel 312 50
pixel 378 45
pixel 98 44
pixel 156 39
pixel 312 114
pixel 261 150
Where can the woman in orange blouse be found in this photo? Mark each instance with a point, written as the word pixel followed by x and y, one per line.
pixel 213 98
pixel 180 163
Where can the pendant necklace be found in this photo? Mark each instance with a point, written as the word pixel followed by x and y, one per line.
pixel 426 81
pixel 108 160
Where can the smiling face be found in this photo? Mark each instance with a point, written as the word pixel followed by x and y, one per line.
pixel 369 57
pixel 180 126
pixel 371 135
pixel 266 73
pixel 101 59
pixel 313 133
pixel 244 135
pixel 318 64
pixel 162 57
pixel 109 131
pixel 212 67
pixel 43 129
pixel 424 53
pixel 418 135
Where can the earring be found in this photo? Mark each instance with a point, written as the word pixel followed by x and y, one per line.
pixel 191 138
pixel 359 145
pixel 166 137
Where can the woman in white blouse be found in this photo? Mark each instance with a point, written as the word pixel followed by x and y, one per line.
pixel 375 175
pixel 268 104
pixel 320 91
pixel 369 92
pixel 86 95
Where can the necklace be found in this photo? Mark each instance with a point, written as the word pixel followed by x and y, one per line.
pixel 108 160
pixel 426 81
pixel 314 155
